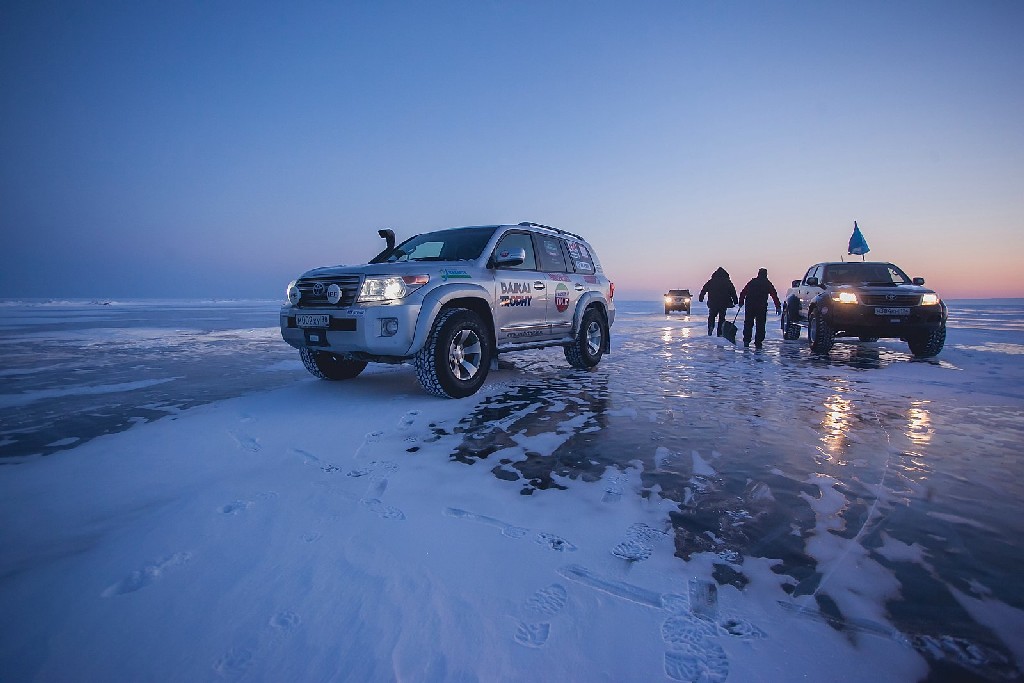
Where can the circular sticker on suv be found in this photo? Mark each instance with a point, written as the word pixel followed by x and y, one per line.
pixel 561 297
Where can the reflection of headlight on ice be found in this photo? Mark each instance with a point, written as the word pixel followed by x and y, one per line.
pixel 929 299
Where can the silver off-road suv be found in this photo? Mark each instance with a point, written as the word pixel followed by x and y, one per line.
pixel 450 301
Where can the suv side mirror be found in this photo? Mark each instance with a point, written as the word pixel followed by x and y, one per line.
pixel 918 281
pixel 813 282
pixel 796 283
pixel 510 258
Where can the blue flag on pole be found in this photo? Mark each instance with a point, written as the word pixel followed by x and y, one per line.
pixel 858 245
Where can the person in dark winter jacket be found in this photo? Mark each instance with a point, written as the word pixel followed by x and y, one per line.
pixel 721 293
pixel 756 294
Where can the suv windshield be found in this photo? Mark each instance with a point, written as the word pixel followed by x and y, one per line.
pixel 865 273
pixel 457 244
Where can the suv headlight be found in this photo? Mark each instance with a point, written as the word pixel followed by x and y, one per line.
pixel 293 293
pixel 390 288
pixel 929 299
pixel 845 297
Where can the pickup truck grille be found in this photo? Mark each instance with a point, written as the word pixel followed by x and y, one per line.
pixel 891 299
pixel 314 290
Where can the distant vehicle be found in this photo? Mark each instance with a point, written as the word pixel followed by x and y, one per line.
pixel 868 300
pixel 450 301
pixel 677 300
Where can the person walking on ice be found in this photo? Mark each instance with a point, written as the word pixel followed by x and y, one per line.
pixel 755 294
pixel 721 293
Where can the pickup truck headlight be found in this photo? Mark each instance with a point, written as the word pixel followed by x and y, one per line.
pixel 929 299
pixel 293 293
pixel 390 288
pixel 845 297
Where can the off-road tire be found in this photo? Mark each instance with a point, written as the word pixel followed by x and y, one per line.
pixel 326 365
pixel 929 343
pixel 667 310
pixel 790 329
pixel 457 356
pixel 591 338
pixel 820 334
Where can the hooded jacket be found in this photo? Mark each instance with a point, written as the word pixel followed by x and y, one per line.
pixel 757 291
pixel 720 290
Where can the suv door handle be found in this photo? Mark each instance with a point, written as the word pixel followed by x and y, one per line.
pixel 579 287
pixel 539 285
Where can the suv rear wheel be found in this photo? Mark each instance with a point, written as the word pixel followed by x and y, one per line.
pixel 457 356
pixel 790 329
pixel 929 343
pixel 326 365
pixel 820 334
pixel 588 348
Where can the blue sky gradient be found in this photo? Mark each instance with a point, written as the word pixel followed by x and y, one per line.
pixel 220 149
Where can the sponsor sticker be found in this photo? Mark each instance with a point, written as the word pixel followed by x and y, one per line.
pixel 584 266
pixel 592 279
pixel 574 250
pixel 524 333
pixel 514 300
pixel 559 277
pixel 552 248
pixel 454 274
pixel 561 297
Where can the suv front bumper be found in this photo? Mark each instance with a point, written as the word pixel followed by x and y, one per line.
pixel 860 320
pixel 358 331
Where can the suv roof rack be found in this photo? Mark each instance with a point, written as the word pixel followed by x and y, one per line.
pixel 527 224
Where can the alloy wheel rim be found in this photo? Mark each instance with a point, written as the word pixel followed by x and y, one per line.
pixel 464 355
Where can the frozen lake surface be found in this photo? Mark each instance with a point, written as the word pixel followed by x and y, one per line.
pixel 867 503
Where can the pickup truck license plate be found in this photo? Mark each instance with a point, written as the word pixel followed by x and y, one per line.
pixel 311 320
pixel 892 311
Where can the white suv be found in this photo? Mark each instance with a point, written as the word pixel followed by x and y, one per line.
pixel 450 301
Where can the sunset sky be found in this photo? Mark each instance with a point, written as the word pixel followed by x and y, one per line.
pixel 161 149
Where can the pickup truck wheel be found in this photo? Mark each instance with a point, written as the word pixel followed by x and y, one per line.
pixel 457 356
pixel 928 344
pixel 326 365
pixel 790 329
pixel 586 351
pixel 820 334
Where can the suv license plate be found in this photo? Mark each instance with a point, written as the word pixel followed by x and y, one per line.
pixel 308 320
pixel 892 311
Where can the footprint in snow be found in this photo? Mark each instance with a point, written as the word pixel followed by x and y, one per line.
pixel 384 466
pixel 235 507
pixel 638 544
pixel 693 654
pixel 381 509
pixel 408 419
pixel 246 442
pixel 285 621
pixel 543 604
pixel 552 541
pixel 150 573
pixel 613 488
pixel 234 662
pixel 506 529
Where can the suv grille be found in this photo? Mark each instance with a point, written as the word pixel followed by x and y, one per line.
pixel 314 295
pixel 891 299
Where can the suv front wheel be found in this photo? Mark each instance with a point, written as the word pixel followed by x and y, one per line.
pixel 820 334
pixel 326 365
pixel 929 343
pixel 588 348
pixel 457 356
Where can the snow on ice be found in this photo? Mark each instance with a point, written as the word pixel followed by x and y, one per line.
pixel 189 505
